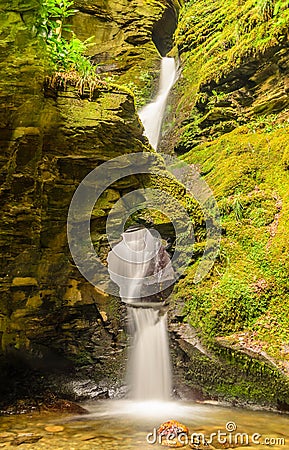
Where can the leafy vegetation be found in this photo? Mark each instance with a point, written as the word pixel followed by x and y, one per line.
pixel 267 123
pixel 67 54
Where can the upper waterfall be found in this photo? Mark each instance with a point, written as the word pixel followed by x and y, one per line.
pixel 152 114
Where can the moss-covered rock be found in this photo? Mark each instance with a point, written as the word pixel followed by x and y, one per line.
pixel 222 372
pixel 235 67
pixel 125 33
pixel 52 321
pixel 231 122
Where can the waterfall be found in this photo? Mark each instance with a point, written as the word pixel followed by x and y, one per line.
pixel 139 264
pixel 152 114
pixel 140 254
pixel 149 372
pixel 149 369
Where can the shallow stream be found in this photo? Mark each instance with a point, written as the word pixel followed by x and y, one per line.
pixel 125 425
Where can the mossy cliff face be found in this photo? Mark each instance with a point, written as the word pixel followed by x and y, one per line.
pixel 51 319
pixel 231 121
pixel 125 34
pixel 123 30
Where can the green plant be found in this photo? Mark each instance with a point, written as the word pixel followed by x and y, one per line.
pixel 52 16
pixel 142 91
pixel 267 123
pixel 238 208
pixel 216 98
pixel 67 53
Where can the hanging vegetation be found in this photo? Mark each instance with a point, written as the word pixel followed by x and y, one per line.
pixel 68 60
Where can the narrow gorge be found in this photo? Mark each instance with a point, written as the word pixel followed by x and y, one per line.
pixel 227 79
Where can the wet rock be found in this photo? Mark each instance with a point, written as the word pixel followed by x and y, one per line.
pixel 63 406
pixel 87 389
pixel 40 402
pixel 216 115
pixel 26 438
pixel 173 434
pixel 27 281
pixel 7 436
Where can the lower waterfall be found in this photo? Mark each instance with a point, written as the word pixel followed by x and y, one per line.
pixel 149 368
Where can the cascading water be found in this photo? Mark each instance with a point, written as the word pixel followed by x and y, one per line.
pixel 124 424
pixel 149 371
pixel 138 254
pixel 152 114
pixel 139 264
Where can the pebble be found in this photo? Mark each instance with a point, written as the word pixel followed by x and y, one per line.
pixel 54 428
pixel 88 437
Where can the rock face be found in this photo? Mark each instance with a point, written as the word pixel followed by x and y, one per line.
pixel 51 319
pixel 230 114
pixel 236 71
pixel 256 88
pixel 230 119
pixel 129 37
pixel 124 30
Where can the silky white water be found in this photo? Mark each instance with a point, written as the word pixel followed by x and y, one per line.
pixel 134 265
pixel 129 262
pixel 152 114
pixel 149 369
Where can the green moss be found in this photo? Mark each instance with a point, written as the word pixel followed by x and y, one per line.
pixel 231 375
pixel 223 34
pixel 229 74
pixel 247 290
pixel 143 87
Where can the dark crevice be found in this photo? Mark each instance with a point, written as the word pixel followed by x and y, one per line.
pixel 164 29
